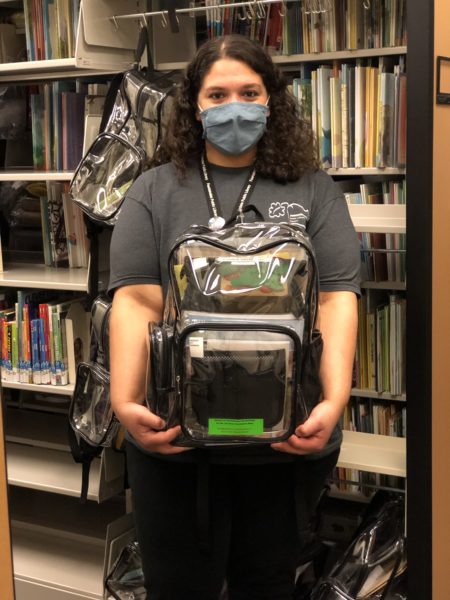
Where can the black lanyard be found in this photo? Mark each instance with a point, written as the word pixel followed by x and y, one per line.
pixel 217 221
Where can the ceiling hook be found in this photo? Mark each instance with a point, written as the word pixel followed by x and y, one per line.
pixel 242 15
pixel 143 22
pixel 261 10
pixel 251 14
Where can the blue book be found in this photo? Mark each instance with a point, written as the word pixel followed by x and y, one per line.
pixel 45 366
pixel 35 357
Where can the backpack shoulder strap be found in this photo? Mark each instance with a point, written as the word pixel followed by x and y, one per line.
pixel 83 453
pixel 110 99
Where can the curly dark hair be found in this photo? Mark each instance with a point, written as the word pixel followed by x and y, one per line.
pixel 287 149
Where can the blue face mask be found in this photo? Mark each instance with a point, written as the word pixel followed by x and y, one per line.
pixel 234 127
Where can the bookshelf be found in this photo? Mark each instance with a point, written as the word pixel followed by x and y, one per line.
pixel 39 566
pixel 374 453
pixel 296 59
pixel 35 175
pixel 60 548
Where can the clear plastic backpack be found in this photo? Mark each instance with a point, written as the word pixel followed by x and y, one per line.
pixel 236 359
pixel 132 127
pixel 374 565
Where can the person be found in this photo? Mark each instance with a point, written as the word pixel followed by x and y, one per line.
pixel 239 523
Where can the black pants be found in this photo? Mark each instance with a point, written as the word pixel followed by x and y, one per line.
pixel 253 526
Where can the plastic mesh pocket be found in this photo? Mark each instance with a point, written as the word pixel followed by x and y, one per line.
pixel 237 384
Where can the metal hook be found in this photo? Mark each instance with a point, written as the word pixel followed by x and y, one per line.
pixel 282 12
pixel 261 12
pixel 163 19
pixel 307 7
pixel 366 4
pixel 143 24
pixel 242 16
pixel 317 9
pixel 251 14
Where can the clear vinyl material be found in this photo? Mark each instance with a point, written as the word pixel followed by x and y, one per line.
pixel 373 567
pixel 238 383
pixel 125 148
pixel 228 365
pixel 91 414
pixel 126 580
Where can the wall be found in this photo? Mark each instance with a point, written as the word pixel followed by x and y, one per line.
pixel 6 578
pixel 441 318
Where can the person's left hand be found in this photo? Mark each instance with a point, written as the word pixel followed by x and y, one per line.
pixel 312 435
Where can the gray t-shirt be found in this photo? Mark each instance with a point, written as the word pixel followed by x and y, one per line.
pixel 158 208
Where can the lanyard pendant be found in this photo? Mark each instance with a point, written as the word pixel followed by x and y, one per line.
pixel 216 223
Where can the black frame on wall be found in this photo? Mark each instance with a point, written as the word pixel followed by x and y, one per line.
pixel 420 69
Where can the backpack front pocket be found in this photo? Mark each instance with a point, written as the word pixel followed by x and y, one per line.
pixel 237 384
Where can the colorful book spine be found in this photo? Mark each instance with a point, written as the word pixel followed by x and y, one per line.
pixel 8 351
pixel 14 353
pixel 43 358
pixel 35 356
pixel 27 367
pixel 45 365
pixel 57 348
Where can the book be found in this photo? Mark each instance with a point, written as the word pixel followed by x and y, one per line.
pixel 72 128
pixel 35 355
pixel 324 115
pixel 38 134
pixel 336 122
pixel 360 118
pixel 77 322
pixel 56 225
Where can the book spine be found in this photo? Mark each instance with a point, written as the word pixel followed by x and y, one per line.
pixel 14 353
pixel 26 345
pixel 64 353
pixel 45 372
pixel 8 361
pixel 51 345
pixel 35 356
pixel 46 368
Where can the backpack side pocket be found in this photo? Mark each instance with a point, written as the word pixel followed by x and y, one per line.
pixel 310 384
pixel 90 413
pixel 160 389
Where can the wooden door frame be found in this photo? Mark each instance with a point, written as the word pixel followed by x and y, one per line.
pixel 6 570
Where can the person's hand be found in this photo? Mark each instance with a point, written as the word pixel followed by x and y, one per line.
pixel 146 429
pixel 312 435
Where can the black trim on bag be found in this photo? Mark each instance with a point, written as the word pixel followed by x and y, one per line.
pixel 261 327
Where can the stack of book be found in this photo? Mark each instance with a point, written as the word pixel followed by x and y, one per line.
pixel 43 341
pixel 371 416
pixel 382 254
pixel 64 234
pixel 50 28
pixel 298 27
pixel 362 483
pixel 357 112
pixel 381 344
pixel 57 121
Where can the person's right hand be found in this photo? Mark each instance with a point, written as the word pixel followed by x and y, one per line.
pixel 145 427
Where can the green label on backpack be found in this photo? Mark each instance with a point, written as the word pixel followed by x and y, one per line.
pixel 235 426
